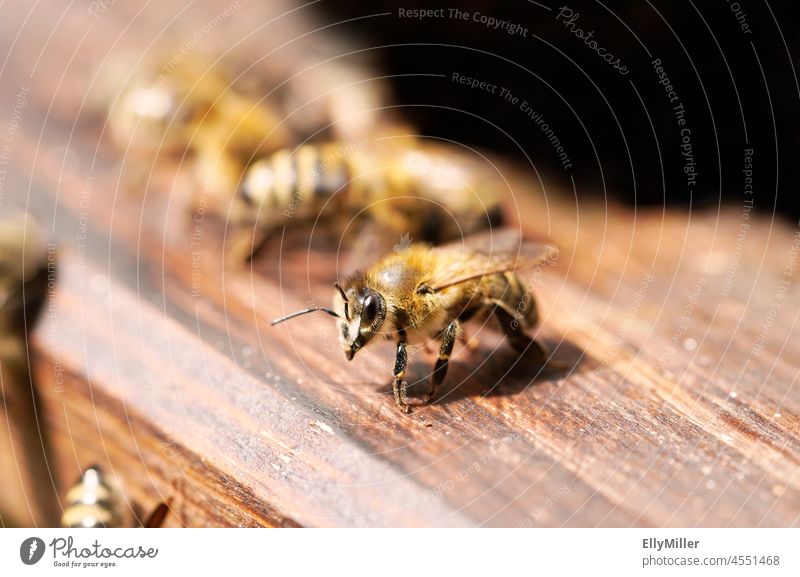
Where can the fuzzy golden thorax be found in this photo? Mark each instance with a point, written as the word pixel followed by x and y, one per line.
pixel 386 298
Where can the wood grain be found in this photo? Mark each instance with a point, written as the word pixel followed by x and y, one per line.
pixel 679 407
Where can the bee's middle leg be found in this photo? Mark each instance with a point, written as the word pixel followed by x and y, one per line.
pixel 445 350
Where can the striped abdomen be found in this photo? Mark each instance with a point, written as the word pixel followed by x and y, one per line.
pixel 298 182
pixel 90 503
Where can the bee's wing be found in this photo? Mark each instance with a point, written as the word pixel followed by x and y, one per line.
pixel 487 254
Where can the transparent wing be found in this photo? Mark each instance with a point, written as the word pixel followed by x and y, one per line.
pixel 488 253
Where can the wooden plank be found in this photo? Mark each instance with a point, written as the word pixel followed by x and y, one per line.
pixel 635 434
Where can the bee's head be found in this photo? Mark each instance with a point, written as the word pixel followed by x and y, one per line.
pixel 362 312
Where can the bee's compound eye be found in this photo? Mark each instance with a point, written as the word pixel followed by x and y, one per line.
pixel 372 307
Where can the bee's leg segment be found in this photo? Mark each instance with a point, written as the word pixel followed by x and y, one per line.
pixel 445 350
pixel 156 518
pixel 512 328
pixel 399 385
pixel 244 244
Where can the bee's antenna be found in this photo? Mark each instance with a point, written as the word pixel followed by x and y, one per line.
pixel 344 298
pixel 331 312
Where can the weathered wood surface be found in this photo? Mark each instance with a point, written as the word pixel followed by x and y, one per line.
pixel 680 408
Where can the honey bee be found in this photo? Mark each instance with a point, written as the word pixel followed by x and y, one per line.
pixel 195 109
pixel 187 106
pixel 93 503
pixel 424 293
pixel 22 256
pixel 431 192
pixel 23 268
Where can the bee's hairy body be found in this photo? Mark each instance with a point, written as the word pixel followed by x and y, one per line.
pixel 423 315
pixel 426 192
pixel 422 293
pixel 94 503
pixel 91 503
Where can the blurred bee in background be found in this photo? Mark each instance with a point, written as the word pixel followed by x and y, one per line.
pixel 191 107
pixel 22 261
pixel 93 503
pixel 423 293
pixel 406 187
pixel 239 138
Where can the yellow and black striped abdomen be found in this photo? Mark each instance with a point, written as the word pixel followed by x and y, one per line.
pixel 297 182
pixel 90 503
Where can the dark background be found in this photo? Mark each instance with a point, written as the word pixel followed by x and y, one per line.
pixel 739 91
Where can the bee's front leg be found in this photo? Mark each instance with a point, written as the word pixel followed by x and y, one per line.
pixel 399 385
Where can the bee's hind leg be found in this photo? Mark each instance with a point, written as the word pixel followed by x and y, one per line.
pixel 512 329
pixel 445 350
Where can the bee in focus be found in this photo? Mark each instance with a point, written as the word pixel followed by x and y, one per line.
pixel 93 503
pixel 432 192
pixel 424 293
